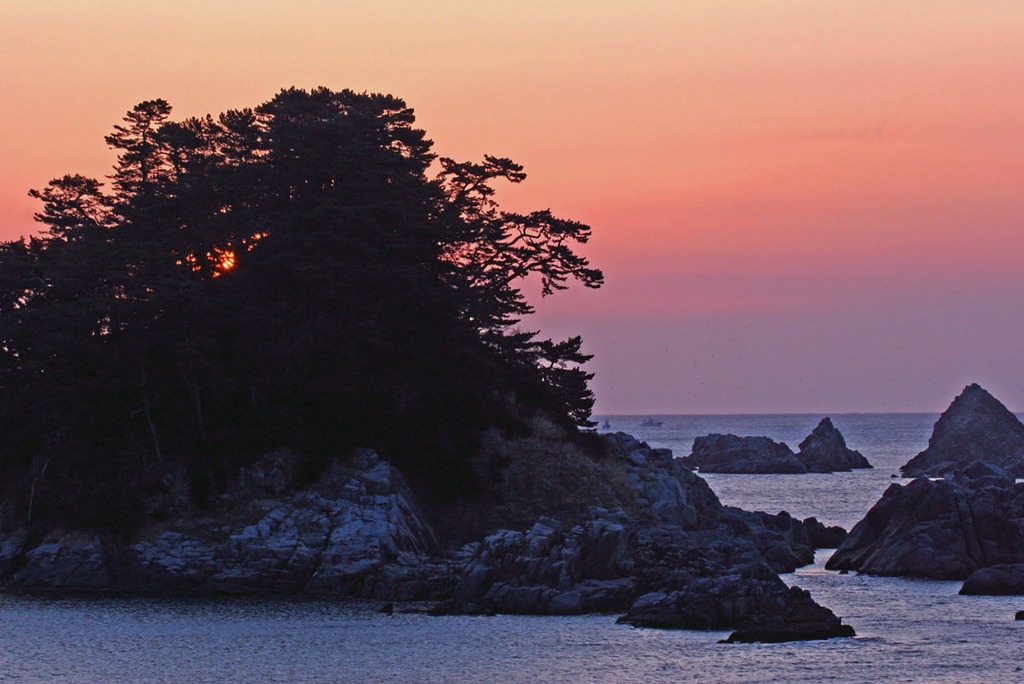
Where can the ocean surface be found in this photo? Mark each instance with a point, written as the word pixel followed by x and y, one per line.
pixel 908 630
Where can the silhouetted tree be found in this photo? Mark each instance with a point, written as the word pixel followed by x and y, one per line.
pixel 286 275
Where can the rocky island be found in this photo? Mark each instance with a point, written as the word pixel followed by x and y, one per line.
pixel 939 529
pixel 975 427
pixel 716 453
pixel 825 451
pixel 968 525
pixel 284 354
pixel 822 451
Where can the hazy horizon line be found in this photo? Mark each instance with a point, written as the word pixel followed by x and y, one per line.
pixel 772 413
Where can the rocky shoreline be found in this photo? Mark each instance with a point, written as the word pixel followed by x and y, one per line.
pixel 671 556
pixel 655 546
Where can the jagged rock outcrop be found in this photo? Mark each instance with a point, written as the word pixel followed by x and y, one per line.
pixel 614 559
pixel 975 427
pixel 800 619
pixel 825 451
pixel 73 562
pixel 662 487
pixel 995 580
pixel 603 564
pixel 716 453
pixel 358 532
pixel 751 598
pixel 550 569
pixel 824 536
pixel 944 529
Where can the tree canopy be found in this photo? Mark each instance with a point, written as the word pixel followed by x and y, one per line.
pixel 305 273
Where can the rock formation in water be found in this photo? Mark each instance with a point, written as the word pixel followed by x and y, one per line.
pixel 825 451
pixel 944 529
pixel 822 451
pixel 751 597
pixel 995 580
pixel 358 532
pixel 975 427
pixel 717 453
pixel 617 560
pixel 824 536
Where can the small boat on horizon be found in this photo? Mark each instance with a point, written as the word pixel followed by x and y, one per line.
pixel 650 422
pixel 606 425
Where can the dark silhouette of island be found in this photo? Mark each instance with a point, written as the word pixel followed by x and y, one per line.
pixel 306 273
pixel 284 354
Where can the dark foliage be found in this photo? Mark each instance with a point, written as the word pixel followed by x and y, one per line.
pixel 289 275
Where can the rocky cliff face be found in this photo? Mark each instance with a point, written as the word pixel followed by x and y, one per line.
pixel 975 427
pixel 358 532
pixel 603 563
pixel 943 529
pixel 825 451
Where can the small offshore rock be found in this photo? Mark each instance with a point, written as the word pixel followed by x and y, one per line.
pixel 753 600
pixel 717 453
pixel 801 620
pixel 825 451
pixel 822 536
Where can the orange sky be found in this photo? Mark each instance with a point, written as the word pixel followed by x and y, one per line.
pixel 799 205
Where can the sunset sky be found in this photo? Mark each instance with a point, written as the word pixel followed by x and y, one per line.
pixel 799 205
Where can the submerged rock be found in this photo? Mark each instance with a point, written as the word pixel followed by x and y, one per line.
pixel 716 453
pixel 825 451
pixel 944 529
pixel 975 427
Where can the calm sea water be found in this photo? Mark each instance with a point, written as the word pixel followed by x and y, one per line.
pixel 908 630
pixel 886 440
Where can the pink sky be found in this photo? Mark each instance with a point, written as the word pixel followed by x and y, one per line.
pixel 799 205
